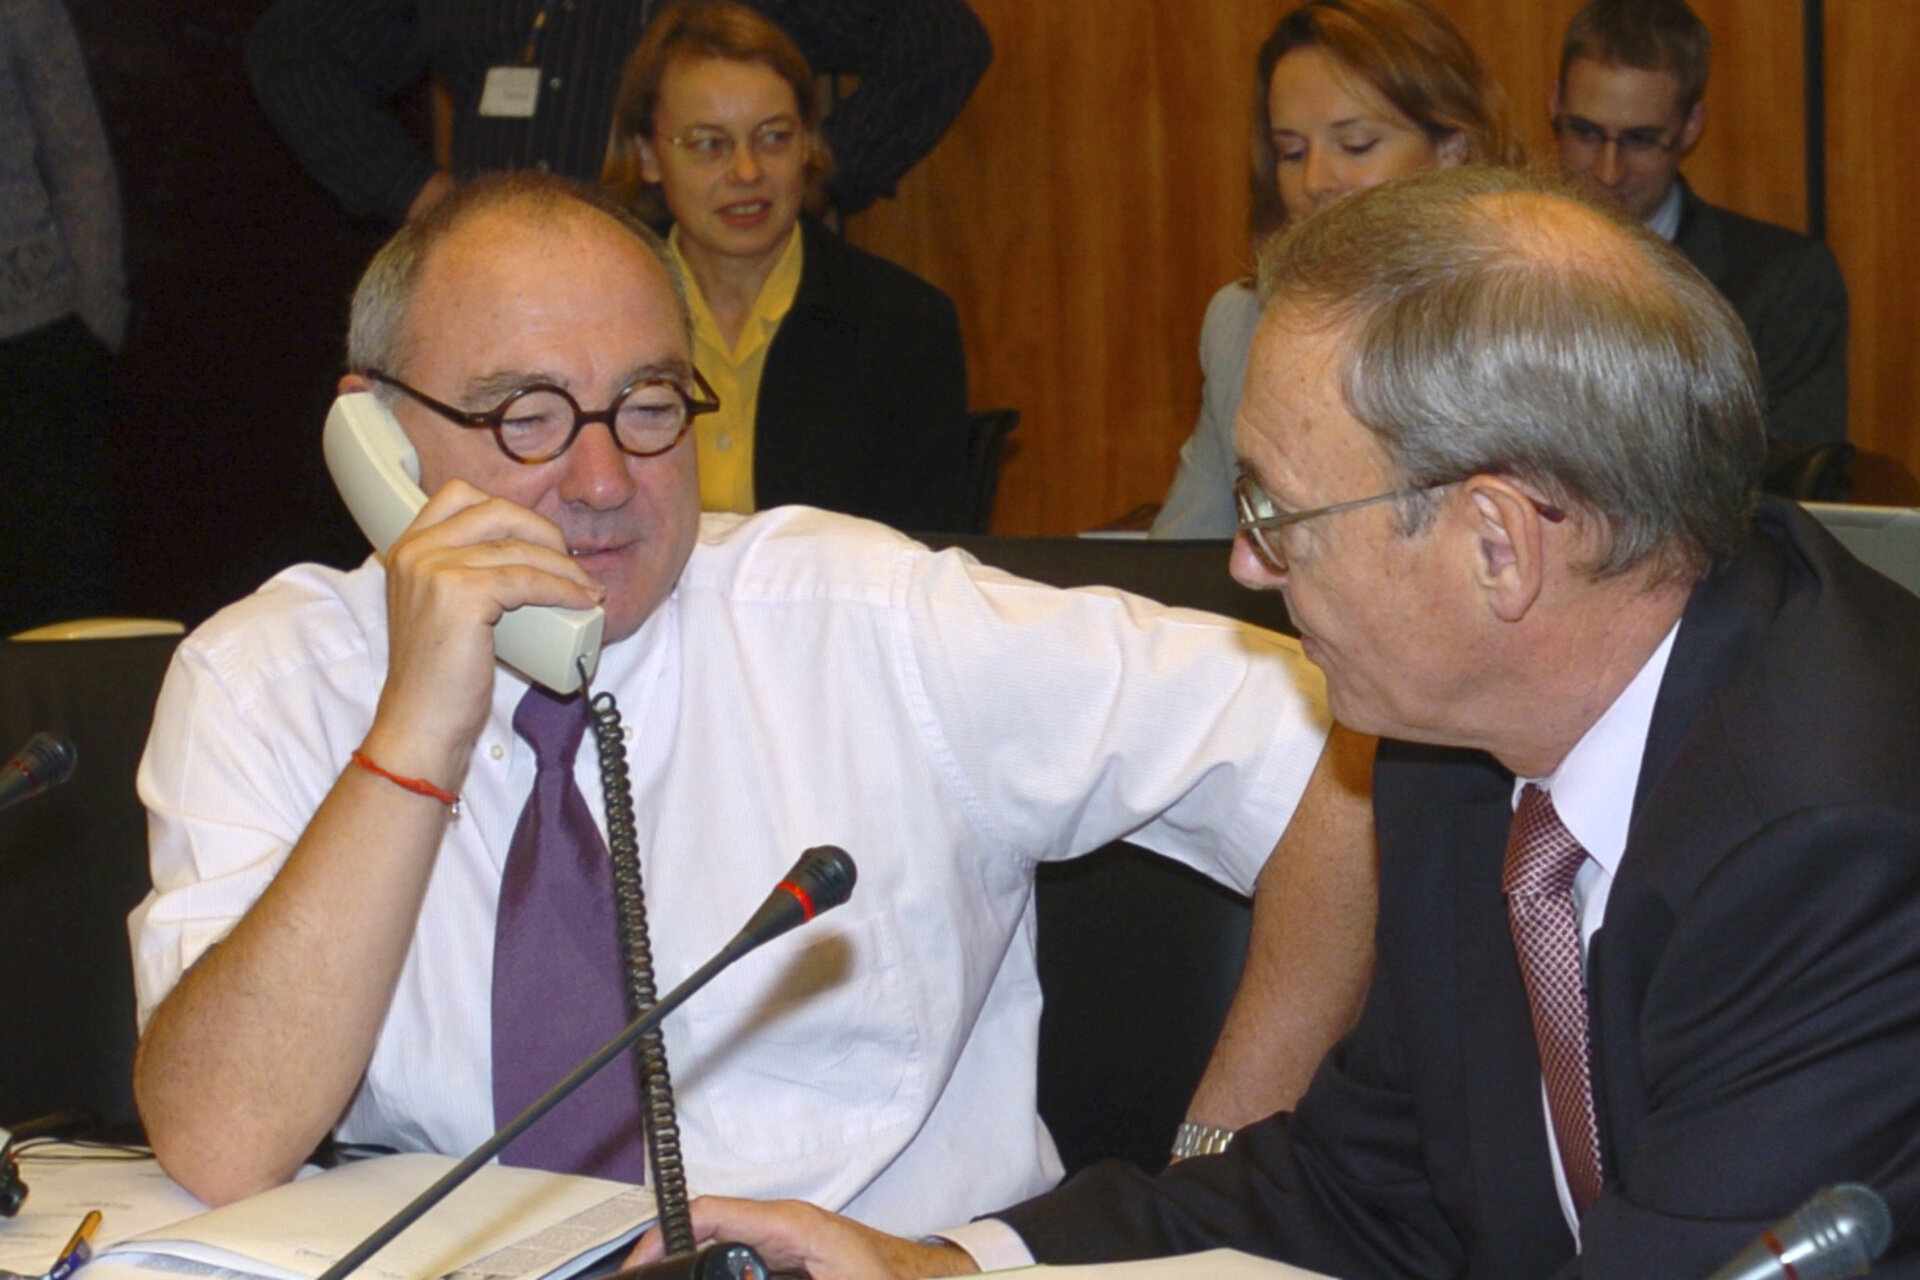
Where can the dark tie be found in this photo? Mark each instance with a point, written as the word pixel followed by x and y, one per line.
pixel 1542 860
pixel 557 989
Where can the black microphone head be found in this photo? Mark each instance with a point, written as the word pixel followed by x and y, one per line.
pixel 820 881
pixel 48 758
pixel 823 877
pixel 46 761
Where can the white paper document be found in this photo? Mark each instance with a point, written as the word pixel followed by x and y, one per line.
pixel 65 1181
pixel 505 1224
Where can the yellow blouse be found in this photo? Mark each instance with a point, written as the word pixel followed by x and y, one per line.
pixel 725 439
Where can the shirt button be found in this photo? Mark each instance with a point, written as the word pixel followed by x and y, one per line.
pixel 498 752
pixel 554 83
pixel 724 442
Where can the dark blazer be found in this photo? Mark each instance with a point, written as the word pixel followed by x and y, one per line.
pixel 863 401
pixel 1755 986
pixel 1789 294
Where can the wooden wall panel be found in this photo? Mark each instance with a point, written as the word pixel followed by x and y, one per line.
pixel 1520 43
pixel 1081 212
pixel 1092 197
pixel 1873 206
pixel 1753 158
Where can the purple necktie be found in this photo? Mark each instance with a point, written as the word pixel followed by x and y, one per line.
pixel 557 989
pixel 1542 860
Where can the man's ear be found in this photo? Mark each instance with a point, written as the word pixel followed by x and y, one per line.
pixel 352 382
pixel 1690 131
pixel 1509 563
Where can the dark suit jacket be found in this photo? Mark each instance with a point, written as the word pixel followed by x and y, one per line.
pixel 324 71
pixel 1755 986
pixel 863 402
pixel 1788 291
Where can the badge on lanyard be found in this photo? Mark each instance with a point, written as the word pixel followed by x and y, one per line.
pixel 511 92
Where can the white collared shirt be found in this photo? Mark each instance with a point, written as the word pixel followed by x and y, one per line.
pixel 1664 221
pixel 813 679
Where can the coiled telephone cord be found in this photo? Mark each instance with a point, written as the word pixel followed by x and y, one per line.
pixel 657 1118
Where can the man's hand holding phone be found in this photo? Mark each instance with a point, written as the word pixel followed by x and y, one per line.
pixel 465 560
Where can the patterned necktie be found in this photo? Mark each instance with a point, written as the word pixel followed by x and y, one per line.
pixel 558 993
pixel 1542 860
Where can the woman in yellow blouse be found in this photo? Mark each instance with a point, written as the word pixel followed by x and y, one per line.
pixel 841 377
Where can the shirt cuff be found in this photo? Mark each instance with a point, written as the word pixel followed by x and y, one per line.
pixel 991 1243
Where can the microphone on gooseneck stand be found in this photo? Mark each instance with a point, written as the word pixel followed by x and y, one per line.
pixel 1838 1232
pixel 820 881
pixel 46 761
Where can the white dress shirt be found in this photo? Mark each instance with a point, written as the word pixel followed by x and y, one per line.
pixel 1664 221
pixel 812 679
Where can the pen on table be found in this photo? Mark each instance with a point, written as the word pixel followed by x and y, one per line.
pixel 78 1249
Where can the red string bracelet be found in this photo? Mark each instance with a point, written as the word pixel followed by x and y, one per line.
pixel 419 786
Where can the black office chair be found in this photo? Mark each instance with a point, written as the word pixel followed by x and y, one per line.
pixel 1138 957
pixel 987 432
pixel 73 862
pixel 1808 472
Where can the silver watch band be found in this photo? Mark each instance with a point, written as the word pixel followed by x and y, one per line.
pixel 1200 1140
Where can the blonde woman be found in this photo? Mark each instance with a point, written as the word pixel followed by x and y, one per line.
pixel 1349 93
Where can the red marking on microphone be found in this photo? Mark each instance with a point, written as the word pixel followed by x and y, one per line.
pixel 800 895
pixel 1780 1254
pixel 25 773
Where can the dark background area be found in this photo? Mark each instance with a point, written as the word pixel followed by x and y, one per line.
pixel 239 267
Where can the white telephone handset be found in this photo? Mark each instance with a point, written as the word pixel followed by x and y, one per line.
pixel 378 474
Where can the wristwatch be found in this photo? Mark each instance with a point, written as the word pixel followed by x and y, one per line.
pixel 1200 1140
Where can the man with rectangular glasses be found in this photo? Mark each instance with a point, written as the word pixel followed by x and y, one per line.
pixel 1628 107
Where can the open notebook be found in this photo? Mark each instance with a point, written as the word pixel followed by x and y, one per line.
pixel 505 1224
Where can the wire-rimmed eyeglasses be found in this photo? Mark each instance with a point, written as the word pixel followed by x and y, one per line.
pixel 539 422
pixel 1261 518
pixel 1642 143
